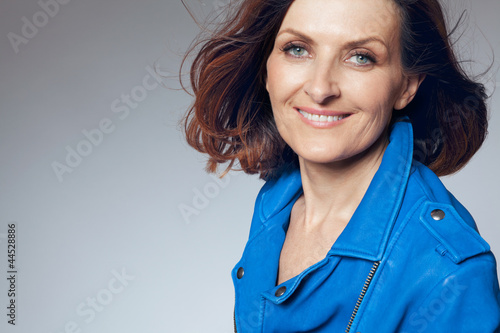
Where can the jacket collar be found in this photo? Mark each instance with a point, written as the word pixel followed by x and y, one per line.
pixel 367 233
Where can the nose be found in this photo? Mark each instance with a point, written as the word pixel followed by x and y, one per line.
pixel 322 84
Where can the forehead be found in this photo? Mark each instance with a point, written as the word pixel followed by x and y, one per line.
pixel 352 19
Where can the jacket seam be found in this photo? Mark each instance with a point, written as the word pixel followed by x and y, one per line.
pixel 372 256
pixel 404 179
pixel 263 314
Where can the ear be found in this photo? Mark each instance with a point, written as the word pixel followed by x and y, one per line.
pixel 265 75
pixel 410 88
pixel 264 78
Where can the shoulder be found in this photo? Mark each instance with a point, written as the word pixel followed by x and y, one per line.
pixel 448 224
pixel 435 236
pixel 437 250
pixel 447 268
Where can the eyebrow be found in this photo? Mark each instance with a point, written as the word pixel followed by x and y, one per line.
pixel 355 43
pixel 298 34
pixel 365 41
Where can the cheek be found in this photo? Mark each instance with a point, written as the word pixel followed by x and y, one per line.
pixel 375 92
pixel 283 79
pixel 272 72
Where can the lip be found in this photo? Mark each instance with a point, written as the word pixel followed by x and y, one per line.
pixel 322 112
pixel 321 124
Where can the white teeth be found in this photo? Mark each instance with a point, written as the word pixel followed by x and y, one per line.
pixel 322 118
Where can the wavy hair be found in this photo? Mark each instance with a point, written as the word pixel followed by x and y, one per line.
pixel 231 118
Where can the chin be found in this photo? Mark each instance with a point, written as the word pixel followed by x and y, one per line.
pixel 322 158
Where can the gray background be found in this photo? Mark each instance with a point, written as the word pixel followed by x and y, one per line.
pixel 119 209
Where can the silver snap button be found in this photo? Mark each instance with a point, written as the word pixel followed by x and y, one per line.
pixel 280 292
pixel 437 214
pixel 240 273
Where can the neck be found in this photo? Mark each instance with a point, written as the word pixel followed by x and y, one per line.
pixel 333 191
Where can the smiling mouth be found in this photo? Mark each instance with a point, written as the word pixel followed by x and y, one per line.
pixel 322 118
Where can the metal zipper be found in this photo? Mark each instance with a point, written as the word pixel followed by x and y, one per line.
pixel 362 295
pixel 234 320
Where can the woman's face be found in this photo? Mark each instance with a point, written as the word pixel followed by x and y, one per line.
pixel 334 77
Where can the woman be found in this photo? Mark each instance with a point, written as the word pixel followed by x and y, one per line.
pixel 349 110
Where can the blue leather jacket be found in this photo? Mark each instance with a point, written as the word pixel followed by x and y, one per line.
pixel 410 260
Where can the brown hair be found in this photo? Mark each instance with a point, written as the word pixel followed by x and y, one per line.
pixel 231 117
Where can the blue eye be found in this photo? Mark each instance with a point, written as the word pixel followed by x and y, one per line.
pixel 295 51
pixel 362 59
pixel 298 51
